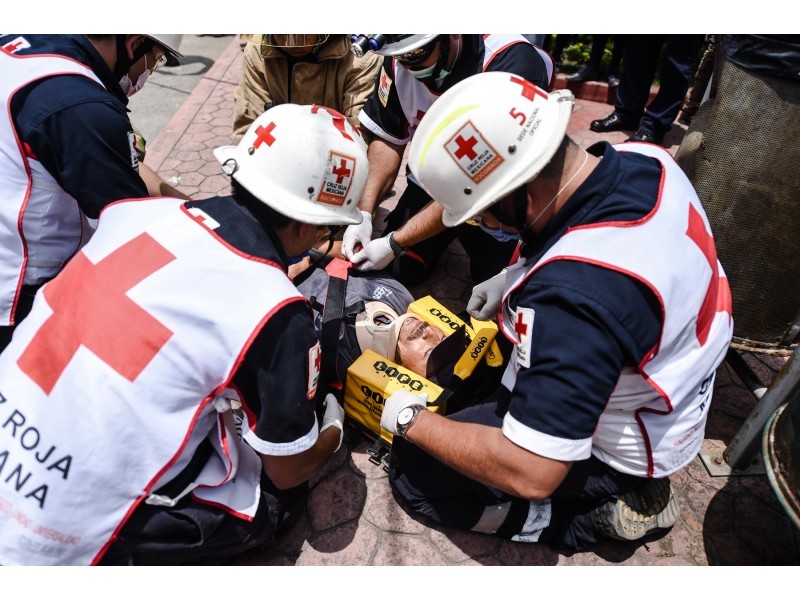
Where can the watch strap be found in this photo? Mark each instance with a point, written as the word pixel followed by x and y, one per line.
pixel 396 248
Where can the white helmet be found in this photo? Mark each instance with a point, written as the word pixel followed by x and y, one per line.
pixel 307 162
pixel 484 138
pixel 170 41
pixel 396 44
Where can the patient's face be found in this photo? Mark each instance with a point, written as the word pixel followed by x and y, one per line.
pixel 416 341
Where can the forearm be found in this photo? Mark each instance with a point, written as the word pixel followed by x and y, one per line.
pixel 425 224
pixel 290 471
pixel 157 186
pixel 384 164
pixel 484 454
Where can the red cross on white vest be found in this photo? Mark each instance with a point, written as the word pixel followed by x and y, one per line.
pixel 718 294
pixel 91 308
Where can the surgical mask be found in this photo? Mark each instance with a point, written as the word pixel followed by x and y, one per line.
pixel 128 87
pixel 428 71
pixel 499 234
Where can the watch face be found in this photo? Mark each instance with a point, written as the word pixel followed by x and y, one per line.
pixel 405 416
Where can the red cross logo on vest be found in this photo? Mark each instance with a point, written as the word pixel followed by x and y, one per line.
pixel 529 90
pixel 718 295
pixel 91 308
pixel 465 147
pixel 520 327
pixel 264 135
pixel 341 172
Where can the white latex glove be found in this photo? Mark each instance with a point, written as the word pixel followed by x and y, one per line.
pixel 375 256
pixel 397 402
pixel 357 235
pixel 486 297
pixel 333 417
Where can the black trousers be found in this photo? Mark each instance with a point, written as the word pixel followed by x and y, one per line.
pixel 428 486
pixel 24 304
pixel 487 256
pixel 640 61
pixel 196 533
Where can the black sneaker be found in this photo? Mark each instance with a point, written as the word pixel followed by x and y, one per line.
pixel 653 506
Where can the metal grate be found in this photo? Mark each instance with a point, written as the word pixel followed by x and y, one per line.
pixel 743 156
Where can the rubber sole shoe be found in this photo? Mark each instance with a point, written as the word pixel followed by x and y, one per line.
pixel 651 507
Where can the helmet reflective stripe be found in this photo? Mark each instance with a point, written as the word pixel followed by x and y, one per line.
pixel 306 162
pixel 485 137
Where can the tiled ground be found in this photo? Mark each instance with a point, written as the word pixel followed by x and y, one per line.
pixel 351 518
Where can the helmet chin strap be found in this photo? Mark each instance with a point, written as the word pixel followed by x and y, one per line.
pixel 124 63
pixel 521 205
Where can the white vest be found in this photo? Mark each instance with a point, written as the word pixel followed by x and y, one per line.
pixel 131 383
pixel 655 419
pixel 41 226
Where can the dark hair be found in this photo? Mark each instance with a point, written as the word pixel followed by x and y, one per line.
pixel 259 210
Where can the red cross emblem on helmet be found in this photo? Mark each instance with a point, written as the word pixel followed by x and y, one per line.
pixel 336 182
pixel 472 152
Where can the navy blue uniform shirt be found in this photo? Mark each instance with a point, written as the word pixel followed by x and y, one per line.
pixel 590 321
pixel 273 377
pixel 80 132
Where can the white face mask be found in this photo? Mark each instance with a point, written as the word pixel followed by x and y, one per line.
pixel 128 87
pixel 428 71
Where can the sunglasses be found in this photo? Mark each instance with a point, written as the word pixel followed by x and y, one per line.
pixel 418 55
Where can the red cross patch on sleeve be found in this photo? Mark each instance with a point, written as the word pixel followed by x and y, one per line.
pixel 314 367
pixel 16 45
pixel 523 327
pixel 473 153
pixel 384 87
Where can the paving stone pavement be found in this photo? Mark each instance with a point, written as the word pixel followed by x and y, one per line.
pixel 351 517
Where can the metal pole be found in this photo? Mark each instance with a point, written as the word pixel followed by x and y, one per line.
pixel 746 443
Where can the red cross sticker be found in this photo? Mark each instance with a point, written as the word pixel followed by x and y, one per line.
pixel 384 80
pixel 264 135
pixel 465 147
pixel 91 308
pixel 520 327
pixel 529 90
pixel 12 46
pixel 718 294
pixel 338 119
pixel 341 172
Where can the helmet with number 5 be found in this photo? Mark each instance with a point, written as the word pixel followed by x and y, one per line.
pixel 306 162
pixel 484 138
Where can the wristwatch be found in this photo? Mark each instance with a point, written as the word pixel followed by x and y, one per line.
pixel 406 418
pixel 397 249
